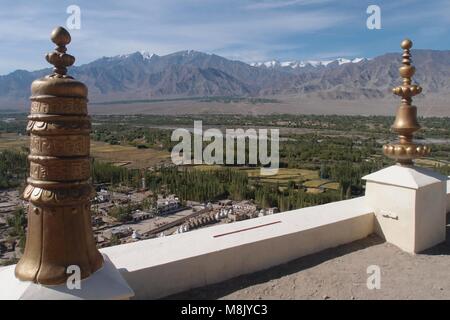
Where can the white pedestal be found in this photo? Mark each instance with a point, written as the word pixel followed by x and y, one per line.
pixel 409 205
pixel 105 284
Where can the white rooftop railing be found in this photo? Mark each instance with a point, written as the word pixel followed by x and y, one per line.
pixel 160 267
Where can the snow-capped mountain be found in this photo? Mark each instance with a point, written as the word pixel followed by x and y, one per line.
pixel 143 75
pixel 302 64
pixel 146 55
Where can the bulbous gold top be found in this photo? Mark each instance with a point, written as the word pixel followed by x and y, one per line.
pixel 59 58
pixel 406 44
pixel 59 84
pixel 61 37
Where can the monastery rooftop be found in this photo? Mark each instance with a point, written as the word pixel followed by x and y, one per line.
pixel 340 273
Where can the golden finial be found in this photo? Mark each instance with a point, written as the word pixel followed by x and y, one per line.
pixel 59 58
pixel 59 191
pixel 405 150
pixel 407 90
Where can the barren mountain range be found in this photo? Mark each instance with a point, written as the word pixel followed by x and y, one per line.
pixel 141 76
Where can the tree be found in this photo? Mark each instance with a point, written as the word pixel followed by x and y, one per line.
pixel 348 193
pixel 17 222
pixel 121 213
pixel 114 240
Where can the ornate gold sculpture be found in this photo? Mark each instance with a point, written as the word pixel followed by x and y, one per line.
pixel 59 192
pixel 405 150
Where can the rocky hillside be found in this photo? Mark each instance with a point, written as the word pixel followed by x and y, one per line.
pixel 195 74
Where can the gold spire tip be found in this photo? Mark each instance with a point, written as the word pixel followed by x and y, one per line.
pixel 406 44
pixel 406 150
pixel 59 58
pixel 60 36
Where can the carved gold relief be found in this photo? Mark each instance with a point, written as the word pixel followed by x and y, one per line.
pixel 58 128
pixel 60 170
pixel 58 197
pixel 69 106
pixel 64 145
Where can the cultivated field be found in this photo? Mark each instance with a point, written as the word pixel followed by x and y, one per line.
pixel 128 156
pixel 13 141
pixel 308 178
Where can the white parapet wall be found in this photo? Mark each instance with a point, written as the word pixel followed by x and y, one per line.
pixel 160 267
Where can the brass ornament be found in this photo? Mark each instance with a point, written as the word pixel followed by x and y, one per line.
pixel 69 106
pixel 59 192
pixel 60 146
pixel 406 150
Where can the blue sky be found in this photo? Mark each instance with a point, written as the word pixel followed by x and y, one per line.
pixel 247 30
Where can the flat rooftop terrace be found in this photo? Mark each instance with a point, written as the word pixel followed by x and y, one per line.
pixel 341 273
